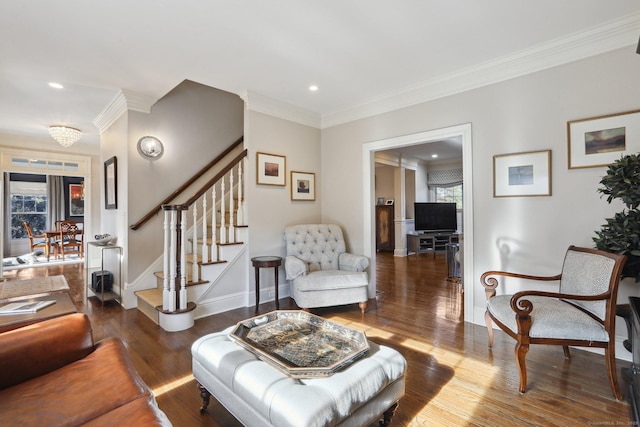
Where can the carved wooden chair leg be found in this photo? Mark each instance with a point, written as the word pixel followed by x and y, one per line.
pixel 363 306
pixel 609 355
pixel 489 323
pixel 567 355
pixel 521 353
pixel 206 397
pixel 388 414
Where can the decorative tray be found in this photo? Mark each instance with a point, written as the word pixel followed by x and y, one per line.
pixel 300 344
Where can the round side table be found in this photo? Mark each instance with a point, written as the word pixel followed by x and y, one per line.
pixel 266 262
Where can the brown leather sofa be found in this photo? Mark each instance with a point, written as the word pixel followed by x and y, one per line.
pixel 53 374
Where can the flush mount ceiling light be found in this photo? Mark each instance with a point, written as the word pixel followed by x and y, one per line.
pixel 150 147
pixel 65 136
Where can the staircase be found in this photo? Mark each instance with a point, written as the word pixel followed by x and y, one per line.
pixel 205 267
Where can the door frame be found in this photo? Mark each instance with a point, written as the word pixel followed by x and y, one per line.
pixel 368 151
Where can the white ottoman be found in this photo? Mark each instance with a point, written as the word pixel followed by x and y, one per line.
pixel 258 394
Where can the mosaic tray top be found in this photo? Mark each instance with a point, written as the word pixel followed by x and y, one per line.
pixel 299 343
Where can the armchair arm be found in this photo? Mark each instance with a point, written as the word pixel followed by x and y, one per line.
pixel 490 282
pixel 294 267
pixel 522 306
pixel 34 350
pixel 350 262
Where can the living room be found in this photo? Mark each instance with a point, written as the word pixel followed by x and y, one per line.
pixel 519 105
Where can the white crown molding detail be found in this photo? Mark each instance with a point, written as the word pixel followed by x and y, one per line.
pixel 123 101
pixel 280 109
pixel 594 41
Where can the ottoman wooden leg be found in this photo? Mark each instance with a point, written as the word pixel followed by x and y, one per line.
pixel 388 414
pixel 206 396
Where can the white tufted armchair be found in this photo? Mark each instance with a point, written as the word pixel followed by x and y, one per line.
pixel 323 274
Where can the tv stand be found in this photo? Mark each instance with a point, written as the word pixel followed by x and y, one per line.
pixel 424 242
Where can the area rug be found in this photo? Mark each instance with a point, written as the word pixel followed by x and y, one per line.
pixel 32 287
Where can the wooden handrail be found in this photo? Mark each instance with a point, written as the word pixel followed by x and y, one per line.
pixel 216 178
pixel 186 185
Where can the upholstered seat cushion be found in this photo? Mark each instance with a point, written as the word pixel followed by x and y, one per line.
pixel 259 394
pixel 331 279
pixel 550 318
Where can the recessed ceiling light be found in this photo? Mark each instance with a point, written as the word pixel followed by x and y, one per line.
pixel 313 88
pixel 56 85
pixel 434 156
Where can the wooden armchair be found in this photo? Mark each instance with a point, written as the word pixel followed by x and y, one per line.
pixel 582 313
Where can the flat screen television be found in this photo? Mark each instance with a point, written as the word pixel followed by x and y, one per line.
pixel 435 217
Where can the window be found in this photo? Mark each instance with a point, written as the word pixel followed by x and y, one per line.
pixel 449 195
pixel 28 203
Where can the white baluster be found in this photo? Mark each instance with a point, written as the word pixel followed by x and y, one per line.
pixel 172 264
pixel 223 229
pixel 240 216
pixel 194 246
pixel 214 225
pixel 205 243
pixel 165 265
pixel 183 261
pixel 245 218
pixel 232 229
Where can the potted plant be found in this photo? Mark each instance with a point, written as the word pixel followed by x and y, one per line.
pixel 621 234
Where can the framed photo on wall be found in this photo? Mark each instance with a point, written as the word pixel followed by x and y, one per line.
pixel 271 169
pixel 600 141
pixel 522 174
pixel 76 200
pixel 303 186
pixel 111 183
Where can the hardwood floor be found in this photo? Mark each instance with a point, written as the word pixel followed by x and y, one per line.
pixel 453 378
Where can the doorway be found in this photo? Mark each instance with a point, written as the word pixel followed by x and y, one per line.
pixel 369 201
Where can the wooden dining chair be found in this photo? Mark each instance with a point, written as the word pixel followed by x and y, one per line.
pixel 582 313
pixel 36 241
pixel 70 239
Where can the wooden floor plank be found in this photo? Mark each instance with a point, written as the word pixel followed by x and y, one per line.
pixel 454 379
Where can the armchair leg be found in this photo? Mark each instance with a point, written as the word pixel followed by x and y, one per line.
pixel 567 355
pixel 489 323
pixel 521 353
pixel 610 356
pixel 363 306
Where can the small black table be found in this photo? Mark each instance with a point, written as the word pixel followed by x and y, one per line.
pixel 266 262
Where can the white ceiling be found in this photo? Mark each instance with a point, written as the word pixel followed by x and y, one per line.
pixel 361 54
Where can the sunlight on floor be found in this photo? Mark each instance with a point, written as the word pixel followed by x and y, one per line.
pixel 471 380
pixel 158 391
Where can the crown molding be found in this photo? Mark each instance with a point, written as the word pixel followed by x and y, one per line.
pixel 612 35
pixel 280 109
pixel 123 101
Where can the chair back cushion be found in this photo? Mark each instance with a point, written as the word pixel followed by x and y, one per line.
pixel 318 245
pixel 587 273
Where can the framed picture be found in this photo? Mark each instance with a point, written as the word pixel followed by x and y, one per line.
pixel 522 174
pixel 111 183
pixel 389 202
pixel 76 200
pixel 600 141
pixel 303 185
pixel 271 169
pixel 380 201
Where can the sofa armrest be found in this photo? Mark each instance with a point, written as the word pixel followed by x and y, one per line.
pixel 40 348
pixel 350 262
pixel 294 267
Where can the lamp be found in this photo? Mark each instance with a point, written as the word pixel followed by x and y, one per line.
pixel 150 147
pixel 65 136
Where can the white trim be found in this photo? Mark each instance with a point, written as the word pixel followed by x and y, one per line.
pixel 123 101
pixel 368 155
pixel 609 36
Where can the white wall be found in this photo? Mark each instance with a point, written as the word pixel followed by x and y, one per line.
pixel 523 114
pixel 270 208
